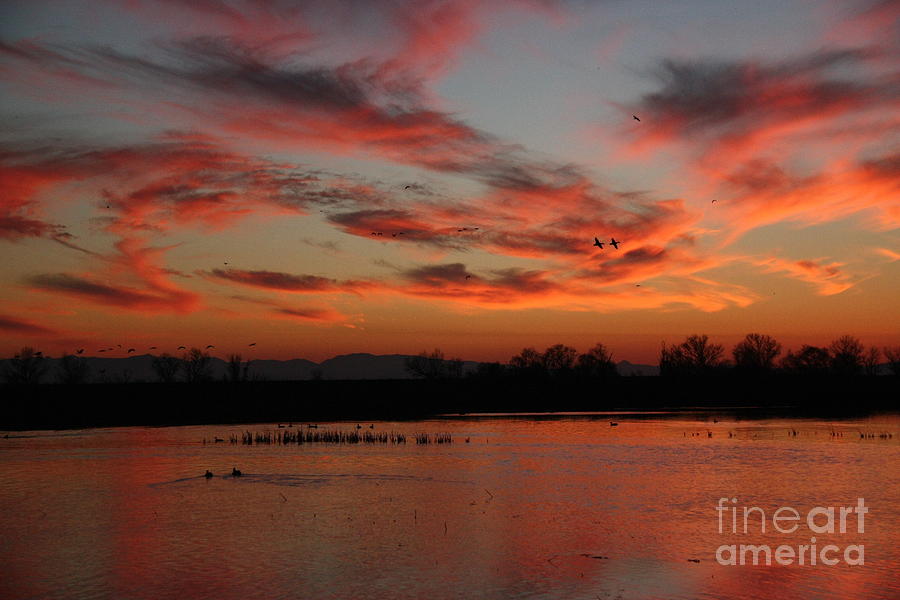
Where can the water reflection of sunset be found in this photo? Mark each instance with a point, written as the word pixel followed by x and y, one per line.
pixel 551 508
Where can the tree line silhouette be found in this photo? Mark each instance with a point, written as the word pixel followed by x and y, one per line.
pixel 755 355
pixel 194 366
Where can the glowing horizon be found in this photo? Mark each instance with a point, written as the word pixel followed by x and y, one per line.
pixel 392 177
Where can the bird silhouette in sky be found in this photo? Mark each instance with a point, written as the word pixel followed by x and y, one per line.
pixel 468 277
pixel 713 202
pixel 614 243
pixel 182 348
pixel 407 187
pixel 79 351
pixel 210 346
pixel 635 117
pixel 598 243
pixel 251 345
pixel 130 350
pixel 153 347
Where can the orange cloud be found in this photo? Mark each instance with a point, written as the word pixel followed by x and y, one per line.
pixel 285 282
pixel 829 278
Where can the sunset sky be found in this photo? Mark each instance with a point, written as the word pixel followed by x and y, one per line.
pixel 193 172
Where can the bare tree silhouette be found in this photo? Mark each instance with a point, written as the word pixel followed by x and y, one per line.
pixel 810 360
pixel 596 363
pixel 25 367
pixel 237 371
pixel 167 367
pixel 756 353
pixel 528 363
pixel 72 369
pixel 559 359
pixel 694 356
pixel 892 355
pixel 197 366
pixel 870 361
pixel 434 366
pixel 846 355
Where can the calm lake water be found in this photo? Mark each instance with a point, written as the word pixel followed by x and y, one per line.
pixel 568 507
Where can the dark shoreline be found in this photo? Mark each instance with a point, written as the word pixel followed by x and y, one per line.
pixel 62 406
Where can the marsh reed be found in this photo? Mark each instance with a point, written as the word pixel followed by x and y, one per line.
pixel 327 436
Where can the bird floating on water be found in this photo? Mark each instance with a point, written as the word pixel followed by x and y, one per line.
pixel 208 474
pixel 235 472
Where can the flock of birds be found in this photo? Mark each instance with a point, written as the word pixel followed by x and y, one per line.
pixel 131 350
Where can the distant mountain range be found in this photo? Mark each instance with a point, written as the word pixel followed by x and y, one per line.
pixel 345 366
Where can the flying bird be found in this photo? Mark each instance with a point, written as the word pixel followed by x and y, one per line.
pixel 614 243
pixel 210 346
pixel 468 277
pixel 407 187
pixel 153 347
pixel 251 345
pixel 635 117
pixel 79 351
pixel 182 348
pixel 130 350
pixel 598 243
pixel 713 202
